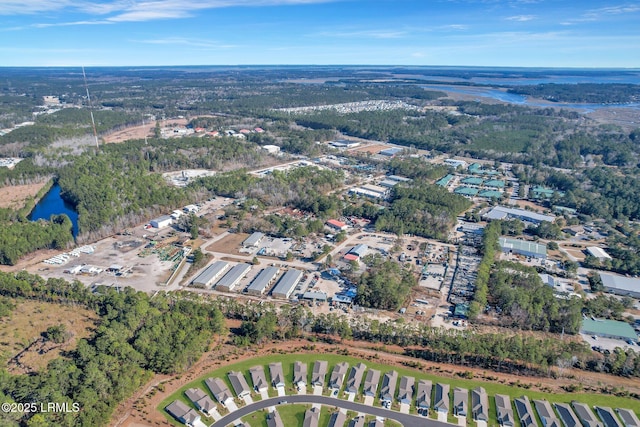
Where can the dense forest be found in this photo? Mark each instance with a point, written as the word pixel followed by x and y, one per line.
pixel 589 93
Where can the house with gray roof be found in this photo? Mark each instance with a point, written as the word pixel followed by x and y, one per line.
pixel 525 412
pixel 423 396
pixel 183 413
pixel 355 378
pixel 274 420
pixel 337 419
pixel 258 378
pixel 547 416
pixel 371 381
pixel 585 415
pixel 504 410
pixel 219 390
pixel 376 423
pixel 479 404
pixel 388 387
pixel 320 368
pixel 567 416
pixel 607 416
pixel 441 398
pixel 299 374
pixel 460 401
pixel 201 400
pixel 311 417
pixel 357 422
pixel 405 390
pixel 239 384
pixel 277 376
pixel 629 418
pixel 337 375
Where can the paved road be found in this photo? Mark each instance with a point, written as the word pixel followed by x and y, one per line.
pixel 404 419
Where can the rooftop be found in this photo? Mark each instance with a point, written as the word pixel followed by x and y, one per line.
pixel 608 328
pixel 622 283
pixel 522 245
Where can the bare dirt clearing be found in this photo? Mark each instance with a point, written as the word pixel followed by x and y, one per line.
pixel 28 321
pixel 15 196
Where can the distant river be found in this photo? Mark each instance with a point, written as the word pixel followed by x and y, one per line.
pixel 513 98
pixel 52 204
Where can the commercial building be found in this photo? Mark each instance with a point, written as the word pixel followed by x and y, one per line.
pixel 320 368
pixel 608 329
pixel 390 152
pixel 405 390
pixel 620 285
pixel 504 410
pixel 210 275
pixel 371 381
pixel 355 378
pixel 501 213
pixel 314 296
pixel 369 190
pixel 287 284
pixel 271 149
pixel 460 401
pixel 233 277
pixel 480 404
pixel 253 241
pixel 598 253
pixel 337 225
pixel 277 375
pixel 258 378
pixel 455 163
pixel 263 281
pixel 161 222
pixel 423 395
pixel 523 247
pixel 388 387
pixel 239 384
pixel 356 252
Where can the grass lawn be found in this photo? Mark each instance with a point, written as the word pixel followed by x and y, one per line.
pixel 288 360
pixel 256 419
pixel 292 415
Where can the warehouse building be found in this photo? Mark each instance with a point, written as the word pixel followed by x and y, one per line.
pixel 503 213
pixel 209 276
pixel 161 222
pixel 263 281
pixel 598 253
pixel 253 241
pixel 455 163
pixel 287 284
pixel 233 277
pixel 337 225
pixel 356 252
pixel 608 329
pixel 522 247
pixel 620 285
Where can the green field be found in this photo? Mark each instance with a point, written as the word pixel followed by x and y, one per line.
pixel 294 412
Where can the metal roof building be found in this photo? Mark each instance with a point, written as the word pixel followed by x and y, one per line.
pixel 523 247
pixel 608 328
pixel 210 274
pixel 598 252
pixel 399 178
pixel 287 284
pixel 620 285
pixel 501 212
pixel 314 295
pixel 263 281
pixel 253 240
pixel 233 277
pixel 466 191
pixel 161 221
pixel 444 180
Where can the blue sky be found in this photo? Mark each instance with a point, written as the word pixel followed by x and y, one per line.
pixel 527 33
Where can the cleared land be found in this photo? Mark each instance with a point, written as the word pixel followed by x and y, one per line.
pixel 21 346
pixel 15 196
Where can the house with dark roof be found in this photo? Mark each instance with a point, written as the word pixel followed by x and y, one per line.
pixel 547 416
pixel 504 410
pixel 479 404
pixel 357 422
pixel 629 418
pixel 337 375
pixel 320 368
pixel 239 384
pixel 299 374
pixel 388 387
pixel 201 400
pixel 585 415
pixel 371 381
pixel 460 401
pixel 607 416
pixel 311 417
pixel 355 378
pixel 567 416
pixel 181 412
pixel 274 420
pixel 337 419
pixel 441 398
pixel 277 376
pixel 258 378
pixel 423 396
pixel 525 412
pixel 219 390
pixel 405 390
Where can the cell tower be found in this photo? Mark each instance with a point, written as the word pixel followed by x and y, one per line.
pixel 93 122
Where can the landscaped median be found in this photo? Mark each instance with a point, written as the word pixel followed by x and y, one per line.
pixel 294 413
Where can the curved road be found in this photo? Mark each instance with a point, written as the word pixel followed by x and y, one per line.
pixel 404 419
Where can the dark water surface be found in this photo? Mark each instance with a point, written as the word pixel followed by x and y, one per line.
pixel 52 204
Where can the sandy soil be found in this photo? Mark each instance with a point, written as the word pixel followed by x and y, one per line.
pixel 373 149
pixel 140 410
pixel 14 197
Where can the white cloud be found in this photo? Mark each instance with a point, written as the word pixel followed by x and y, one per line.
pixel 521 18
pixel 183 41
pixel 373 34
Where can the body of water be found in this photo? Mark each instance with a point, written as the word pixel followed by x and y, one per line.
pixel 52 204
